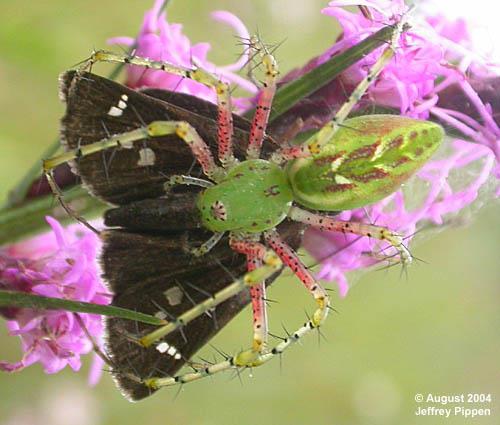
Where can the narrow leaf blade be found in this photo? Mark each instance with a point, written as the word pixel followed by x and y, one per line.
pixel 23 300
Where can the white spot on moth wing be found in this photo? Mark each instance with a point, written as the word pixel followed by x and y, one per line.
pixel 162 347
pixel 146 157
pixel 161 315
pixel 115 112
pixel 174 295
pixel 165 348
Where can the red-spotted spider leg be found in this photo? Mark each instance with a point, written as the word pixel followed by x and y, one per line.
pixel 182 129
pixel 255 252
pixel 325 223
pixel 290 259
pixel 224 126
pixel 222 89
pixel 263 108
pixel 259 308
pixel 250 358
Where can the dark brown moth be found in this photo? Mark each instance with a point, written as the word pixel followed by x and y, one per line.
pixel 145 257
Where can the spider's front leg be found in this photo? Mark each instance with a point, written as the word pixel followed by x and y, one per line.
pixel 264 103
pixel 221 88
pixel 182 129
pixel 315 143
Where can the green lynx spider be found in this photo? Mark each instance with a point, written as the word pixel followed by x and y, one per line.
pixel 345 165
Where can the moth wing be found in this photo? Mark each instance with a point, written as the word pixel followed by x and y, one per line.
pixel 97 108
pixel 154 275
pixel 153 272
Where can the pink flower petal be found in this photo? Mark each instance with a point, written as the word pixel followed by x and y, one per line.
pixel 67 270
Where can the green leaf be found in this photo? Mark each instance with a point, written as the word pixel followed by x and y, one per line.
pixel 23 300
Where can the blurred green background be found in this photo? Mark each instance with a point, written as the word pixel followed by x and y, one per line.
pixel 435 332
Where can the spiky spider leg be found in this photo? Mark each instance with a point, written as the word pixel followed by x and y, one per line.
pixel 250 358
pixel 257 356
pixel 325 223
pixel 56 190
pixel 315 143
pixel 222 89
pixel 182 129
pixel 255 252
pixel 290 259
pixel 263 108
pixel 271 264
pixel 259 308
pixel 234 362
pixel 178 179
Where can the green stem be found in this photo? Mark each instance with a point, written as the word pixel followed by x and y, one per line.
pixel 23 300
pixel 27 219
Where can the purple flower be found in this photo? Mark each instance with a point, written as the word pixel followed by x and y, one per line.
pixel 432 57
pixel 61 264
pixel 164 41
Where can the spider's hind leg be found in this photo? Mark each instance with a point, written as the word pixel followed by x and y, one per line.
pixel 271 264
pixel 255 252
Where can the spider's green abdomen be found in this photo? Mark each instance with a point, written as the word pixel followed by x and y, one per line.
pixel 255 196
pixel 367 159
